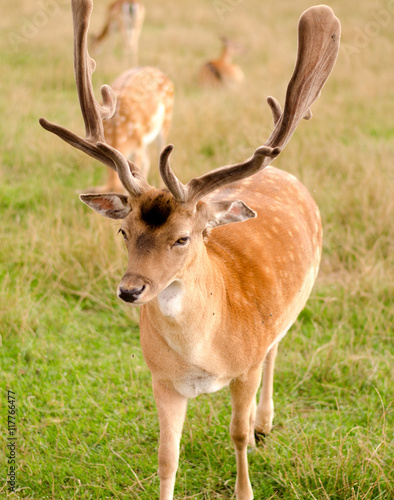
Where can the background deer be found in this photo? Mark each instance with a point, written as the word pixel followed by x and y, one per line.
pixel 222 72
pixel 126 16
pixel 216 297
pixel 143 113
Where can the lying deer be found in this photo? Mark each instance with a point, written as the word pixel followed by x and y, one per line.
pixel 216 297
pixel 127 16
pixel 222 71
pixel 143 113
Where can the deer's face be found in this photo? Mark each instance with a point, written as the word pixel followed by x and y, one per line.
pixel 163 236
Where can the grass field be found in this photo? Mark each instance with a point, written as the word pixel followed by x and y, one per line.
pixel 86 420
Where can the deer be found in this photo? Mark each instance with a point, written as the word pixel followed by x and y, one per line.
pixel 143 114
pixel 126 16
pixel 215 296
pixel 222 72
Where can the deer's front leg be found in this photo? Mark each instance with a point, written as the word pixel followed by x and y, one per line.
pixel 243 400
pixel 171 407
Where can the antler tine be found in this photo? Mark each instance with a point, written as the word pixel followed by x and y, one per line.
pixel 318 44
pixel 175 186
pixel 92 112
pixel 275 109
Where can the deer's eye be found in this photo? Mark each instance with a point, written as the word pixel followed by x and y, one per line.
pixel 123 234
pixel 181 242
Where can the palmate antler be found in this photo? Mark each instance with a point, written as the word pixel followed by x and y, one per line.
pixel 93 113
pixel 318 44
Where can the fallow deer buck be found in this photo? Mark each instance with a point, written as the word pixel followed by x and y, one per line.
pixel 143 114
pixel 126 16
pixel 222 72
pixel 216 297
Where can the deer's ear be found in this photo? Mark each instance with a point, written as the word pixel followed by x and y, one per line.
pixel 113 206
pixel 226 212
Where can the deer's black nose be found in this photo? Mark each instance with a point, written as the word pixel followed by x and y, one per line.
pixel 130 295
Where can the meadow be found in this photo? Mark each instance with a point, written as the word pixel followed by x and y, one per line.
pixel 86 420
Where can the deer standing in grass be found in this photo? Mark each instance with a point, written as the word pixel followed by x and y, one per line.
pixel 222 72
pixel 143 113
pixel 127 16
pixel 216 297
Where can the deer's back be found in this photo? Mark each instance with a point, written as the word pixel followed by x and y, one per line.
pixel 144 103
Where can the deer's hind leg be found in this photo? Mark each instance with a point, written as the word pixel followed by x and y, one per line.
pixel 243 400
pixel 265 408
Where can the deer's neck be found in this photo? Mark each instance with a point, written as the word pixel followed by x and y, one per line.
pixel 226 56
pixel 187 313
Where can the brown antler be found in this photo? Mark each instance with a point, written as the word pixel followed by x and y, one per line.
pixel 318 44
pixel 93 113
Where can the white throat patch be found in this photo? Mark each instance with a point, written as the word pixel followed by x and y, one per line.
pixel 171 299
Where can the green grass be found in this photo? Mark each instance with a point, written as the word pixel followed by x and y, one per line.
pixel 87 424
